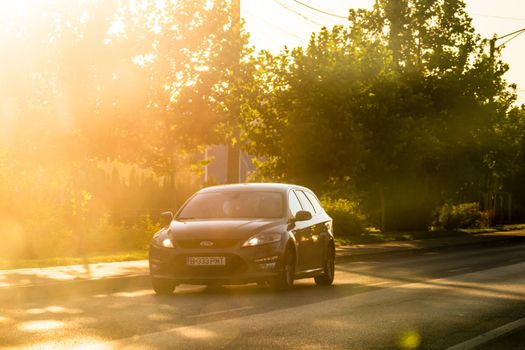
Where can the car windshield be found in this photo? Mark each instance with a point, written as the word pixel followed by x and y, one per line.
pixel 229 204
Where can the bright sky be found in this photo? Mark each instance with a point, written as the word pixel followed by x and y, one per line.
pixel 275 23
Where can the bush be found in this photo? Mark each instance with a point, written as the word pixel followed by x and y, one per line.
pixel 347 218
pixel 464 215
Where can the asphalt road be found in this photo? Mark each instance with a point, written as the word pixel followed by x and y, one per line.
pixel 430 301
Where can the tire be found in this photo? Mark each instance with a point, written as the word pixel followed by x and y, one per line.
pixel 327 277
pixel 285 279
pixel 163 286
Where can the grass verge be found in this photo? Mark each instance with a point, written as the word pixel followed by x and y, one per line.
pixel 63 261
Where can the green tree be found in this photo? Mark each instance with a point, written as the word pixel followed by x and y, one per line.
pixel 141 83
pixel 403 106
pixel 191 51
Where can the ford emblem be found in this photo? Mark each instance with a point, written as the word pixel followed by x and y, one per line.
pixel 206 243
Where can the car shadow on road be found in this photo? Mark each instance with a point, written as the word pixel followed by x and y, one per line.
pixel 260 298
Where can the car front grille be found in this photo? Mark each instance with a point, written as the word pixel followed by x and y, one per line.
pixel 205 243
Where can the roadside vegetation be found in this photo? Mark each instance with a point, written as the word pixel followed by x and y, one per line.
pixel 401 120
pixel 128 255
pixel 376 236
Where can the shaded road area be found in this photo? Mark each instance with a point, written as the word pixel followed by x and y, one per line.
pixel 433 300
pixel 513 341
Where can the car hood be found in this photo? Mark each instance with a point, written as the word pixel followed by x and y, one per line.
pixel 222 229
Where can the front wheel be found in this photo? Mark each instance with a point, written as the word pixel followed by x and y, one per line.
pixel 163 286
pixel 286 278
pixel 327 277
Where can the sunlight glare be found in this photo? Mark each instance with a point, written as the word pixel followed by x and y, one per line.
pixel 63 310
pixel 135 294
pixel 36 311
pixel 15 7
pixel 41 325
pixel 193 332
pixel 117 27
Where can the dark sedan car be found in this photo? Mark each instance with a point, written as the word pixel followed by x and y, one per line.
pixel 234 234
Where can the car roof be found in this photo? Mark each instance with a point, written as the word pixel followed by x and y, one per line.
pixel 261 186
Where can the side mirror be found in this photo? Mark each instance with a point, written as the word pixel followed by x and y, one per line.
pixel 303 215
pixel 166 218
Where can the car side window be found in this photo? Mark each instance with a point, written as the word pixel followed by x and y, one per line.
pixel 293 203
pixel 305 202
pixel 315 202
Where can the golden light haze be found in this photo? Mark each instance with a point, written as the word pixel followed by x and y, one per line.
pixel 106 107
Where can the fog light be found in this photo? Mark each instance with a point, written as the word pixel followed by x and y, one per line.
pixel 267 259
pixel 268 266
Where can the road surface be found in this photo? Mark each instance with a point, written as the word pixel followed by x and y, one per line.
pixel 432 300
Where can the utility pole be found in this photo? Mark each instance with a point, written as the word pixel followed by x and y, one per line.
pixel 495 38
pixel 492 58
pixel 492 50
pixel 234 145
pixel 492 63
pixel 493 47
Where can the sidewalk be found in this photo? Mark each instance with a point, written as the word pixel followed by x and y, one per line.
pixel 363 251
pixel 117 274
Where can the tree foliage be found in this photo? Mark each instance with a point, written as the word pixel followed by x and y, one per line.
pixel 138 85
pixel 403 108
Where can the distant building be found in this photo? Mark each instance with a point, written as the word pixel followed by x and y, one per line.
pixel 216 171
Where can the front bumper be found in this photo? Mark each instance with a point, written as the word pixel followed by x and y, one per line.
pixel 243 264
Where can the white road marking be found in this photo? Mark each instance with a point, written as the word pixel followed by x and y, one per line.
pixel 490 335
pixel 222 311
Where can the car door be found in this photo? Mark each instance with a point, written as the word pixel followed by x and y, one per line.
pixel 313 244
pixel 323 224
pixel 301 233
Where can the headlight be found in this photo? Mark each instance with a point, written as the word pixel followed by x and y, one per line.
pixel 161 239
pixel 167 243
pixel 262 238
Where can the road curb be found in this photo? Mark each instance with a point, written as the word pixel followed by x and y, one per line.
pixel 480 242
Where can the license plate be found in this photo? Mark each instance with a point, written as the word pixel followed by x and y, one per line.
pixel 206 261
